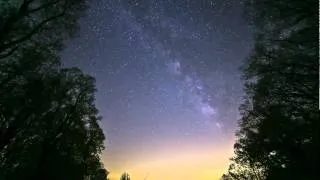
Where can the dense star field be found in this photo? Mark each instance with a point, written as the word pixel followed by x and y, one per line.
pixel 168 80
pixel 159 90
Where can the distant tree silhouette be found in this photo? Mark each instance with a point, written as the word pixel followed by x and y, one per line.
pixel 26 22
pixel 125 176
pixel 279 128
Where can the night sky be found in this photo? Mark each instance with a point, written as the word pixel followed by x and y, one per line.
pixel 168 80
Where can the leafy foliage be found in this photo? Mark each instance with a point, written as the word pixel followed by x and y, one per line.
pixel 49 125
pixel 279 128
pixel 45 22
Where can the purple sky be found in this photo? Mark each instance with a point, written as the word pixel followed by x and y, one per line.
pixel 167 77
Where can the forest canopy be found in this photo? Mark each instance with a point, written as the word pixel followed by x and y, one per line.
pixel 279 128
pixel 49 124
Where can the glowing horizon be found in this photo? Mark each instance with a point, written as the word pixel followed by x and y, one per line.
pixel 201 162
pixel 168 83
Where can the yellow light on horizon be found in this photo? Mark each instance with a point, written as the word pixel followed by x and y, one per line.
pixel 193 163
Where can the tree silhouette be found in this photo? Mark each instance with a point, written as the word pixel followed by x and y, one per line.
pixel 279 128
pixel 125 176
pixel 49 124
pixel 37 21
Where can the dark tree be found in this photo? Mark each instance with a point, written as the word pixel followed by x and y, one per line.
pixel 25 22
pixel 125 176
pixel 49 124
pixel 279 128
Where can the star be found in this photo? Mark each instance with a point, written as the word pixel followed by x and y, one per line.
pixel 166 73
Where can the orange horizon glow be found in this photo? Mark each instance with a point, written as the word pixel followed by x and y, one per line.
pixel 186 162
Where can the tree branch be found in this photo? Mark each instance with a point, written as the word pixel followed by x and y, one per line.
pixel 8 53
pixel 42 7
pixel 28 35
pixel 14 18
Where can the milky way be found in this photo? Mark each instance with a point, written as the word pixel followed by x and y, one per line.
pixel 167 71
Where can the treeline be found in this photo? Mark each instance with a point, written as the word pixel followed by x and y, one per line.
pixel 49 125
pixel 279 128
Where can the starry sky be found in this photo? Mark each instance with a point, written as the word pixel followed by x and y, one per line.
pixel 168 80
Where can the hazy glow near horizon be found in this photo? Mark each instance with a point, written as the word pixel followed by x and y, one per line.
pixel 168 81
pixel 203 162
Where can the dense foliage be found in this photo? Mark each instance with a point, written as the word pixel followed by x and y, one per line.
pixel 279 128
pixel 49 125
pixel 37 22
